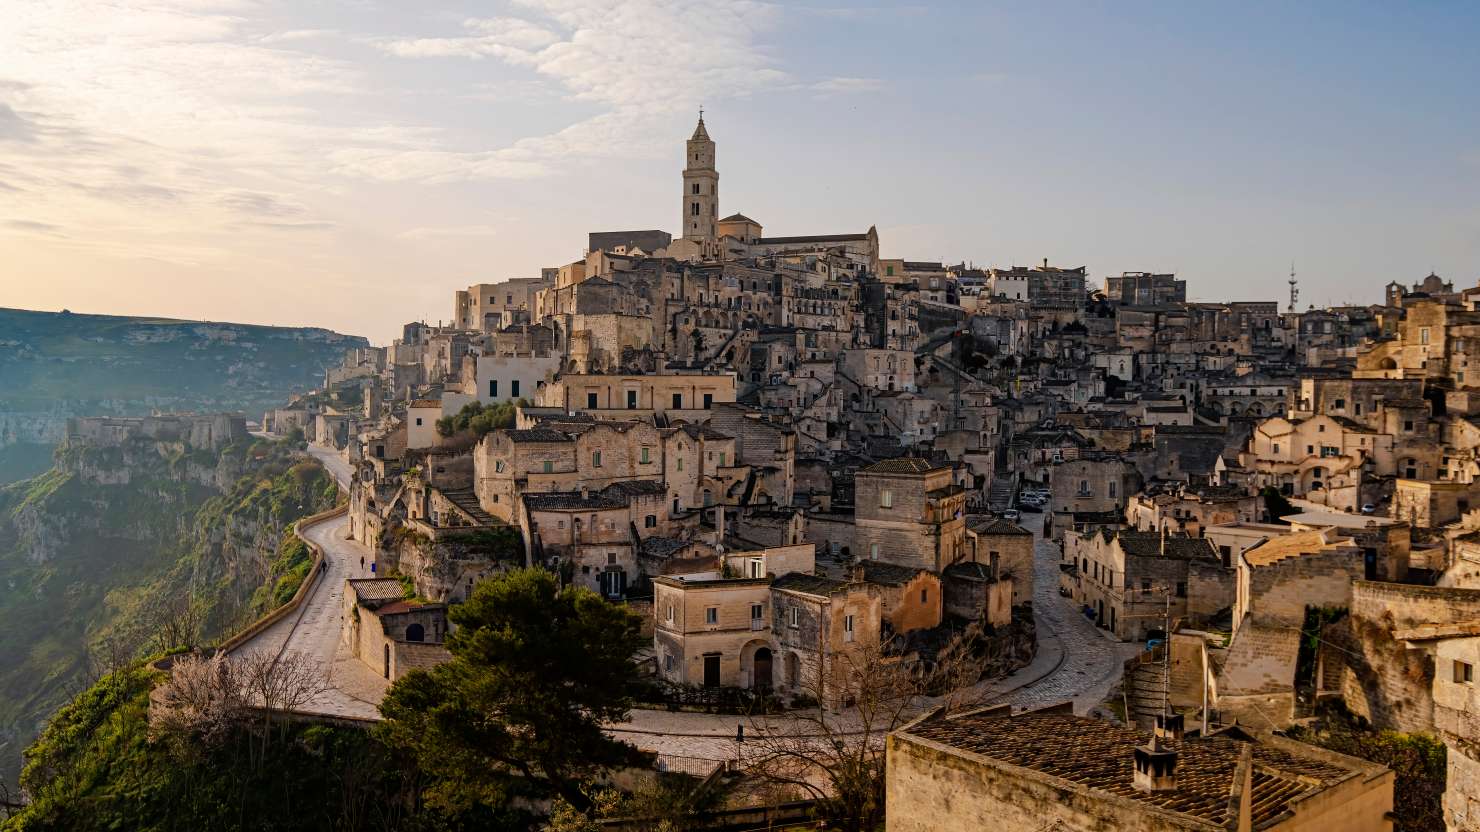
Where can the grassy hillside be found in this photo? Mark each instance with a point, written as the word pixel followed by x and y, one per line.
pixel 104 364
pixel 98 569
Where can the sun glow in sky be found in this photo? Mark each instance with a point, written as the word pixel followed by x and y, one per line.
pixel 349 163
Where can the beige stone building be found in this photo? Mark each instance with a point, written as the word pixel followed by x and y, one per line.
pixel 1050 770
pixel 909 512
pixel 1134 580
pixel 687 396
pixel 390 634
pixel 592 537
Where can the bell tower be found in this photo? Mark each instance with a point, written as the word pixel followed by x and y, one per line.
pixel 700 187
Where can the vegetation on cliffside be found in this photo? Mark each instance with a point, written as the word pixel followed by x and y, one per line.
pixel 122 550
pixel 484 742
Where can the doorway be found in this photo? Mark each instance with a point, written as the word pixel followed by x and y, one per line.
pixel 762 675
pixel 711 670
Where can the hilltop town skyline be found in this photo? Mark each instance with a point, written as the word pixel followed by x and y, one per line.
pixel 364 169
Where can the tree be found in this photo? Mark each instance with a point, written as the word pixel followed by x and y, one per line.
pixel 1276 504
pixel 536 672
pixel 837 756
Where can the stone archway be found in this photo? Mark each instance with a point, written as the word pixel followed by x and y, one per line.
pixel 761 678
pixel 415 632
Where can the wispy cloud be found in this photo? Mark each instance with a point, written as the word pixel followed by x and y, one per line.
pixel 34 227
pixel 642 61
pixel 440 232
pixel 848 86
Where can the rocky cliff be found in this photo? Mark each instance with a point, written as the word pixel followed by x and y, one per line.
pixel 133 548
pixel 54 366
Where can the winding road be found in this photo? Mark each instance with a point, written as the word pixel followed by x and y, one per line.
pixel 352 688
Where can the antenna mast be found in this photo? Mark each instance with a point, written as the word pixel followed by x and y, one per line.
pixel 1294 288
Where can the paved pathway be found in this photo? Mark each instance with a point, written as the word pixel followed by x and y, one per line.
pixel 354 689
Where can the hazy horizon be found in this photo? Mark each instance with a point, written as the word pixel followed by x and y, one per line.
pixel 349 164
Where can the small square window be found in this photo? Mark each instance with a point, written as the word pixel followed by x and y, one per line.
pixel 1464 672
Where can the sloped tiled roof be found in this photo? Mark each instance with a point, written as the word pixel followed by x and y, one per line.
pixel 1097 755
pixel 903 465
pixel 810 584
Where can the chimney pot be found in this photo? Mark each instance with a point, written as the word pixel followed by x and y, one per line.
pixel 1155 767
pixel 1169 726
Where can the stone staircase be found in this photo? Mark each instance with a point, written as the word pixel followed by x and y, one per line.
pixel 467 502
pixel 1145 693
pixel 999 496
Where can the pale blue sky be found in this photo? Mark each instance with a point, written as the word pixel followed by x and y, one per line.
pixel 351 163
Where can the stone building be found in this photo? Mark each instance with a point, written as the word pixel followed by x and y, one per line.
pixel 1134 580
pixel 595 536
pixel 909 512
pixel 1006 549
pixel 1145 289
pixel 390 634
pixel 1050 770
pixel 1283 576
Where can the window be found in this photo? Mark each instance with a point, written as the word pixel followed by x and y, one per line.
pixel 1320 428
pixel 493 388
pixel 650 521
pixel 611 557
pixel 680 463
pixel 498 467
pixel 711 615
pixel 509 299
pixel 873 551
pixel 708 400
pixel 1339 404
pixel 1145 584
pixel 596 459
pixel 794 618
pixel 1181 589
pixel 1464 672
pixel 696 188
pixel 1084 488
pixel 722 458
pixel 646 458
pixel 1112 488
pixel 668 661
pixel 591 401
pixel 757 568
pixel 549 467
pixel 757 612
pixel 678 401
pixel 924 595
pixel 1276 447
pixel 1408 424
pixel 847 628
pixel 514 389
pixel 886 499
pixel 694 209
pixel 418 421
pixel 1423 335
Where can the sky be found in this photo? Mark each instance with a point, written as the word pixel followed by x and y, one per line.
pixel 350 163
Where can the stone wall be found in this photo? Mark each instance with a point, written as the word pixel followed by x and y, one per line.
pixel 1385 682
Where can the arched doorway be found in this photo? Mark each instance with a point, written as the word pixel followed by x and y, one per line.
pixel 415 632
pixel 761 678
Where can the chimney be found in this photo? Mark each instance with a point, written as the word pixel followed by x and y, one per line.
pixel 859 573
pixel 1045 264
pixel 1169 726
pixel 585 492
pixel 1156 768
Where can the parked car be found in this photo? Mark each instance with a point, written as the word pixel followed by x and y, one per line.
pixel 1011 514
pixel 1368 508
pixel 1030 507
